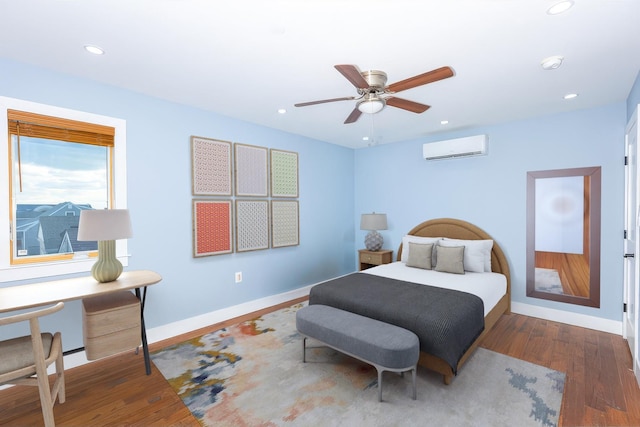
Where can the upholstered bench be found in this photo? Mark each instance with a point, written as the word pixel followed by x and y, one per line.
pixel 386 347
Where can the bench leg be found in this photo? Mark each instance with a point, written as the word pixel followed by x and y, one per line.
pixel 413 375
pixel 379 385
pixel 304 349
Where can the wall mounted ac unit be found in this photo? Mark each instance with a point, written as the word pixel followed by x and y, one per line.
pixel 459 147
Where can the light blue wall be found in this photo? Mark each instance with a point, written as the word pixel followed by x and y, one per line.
pixel 159 197
pixel 490 191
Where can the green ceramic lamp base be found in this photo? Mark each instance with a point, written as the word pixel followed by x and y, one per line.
pixel 107 268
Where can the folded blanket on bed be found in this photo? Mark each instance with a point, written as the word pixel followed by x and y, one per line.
pixel 447 322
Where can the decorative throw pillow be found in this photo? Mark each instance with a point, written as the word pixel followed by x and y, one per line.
pixel 477 253
pixel 415 239
pixel 449 259
pixel 473 258
pixel 420 255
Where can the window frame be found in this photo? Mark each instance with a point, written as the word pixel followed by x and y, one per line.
pixel 79 263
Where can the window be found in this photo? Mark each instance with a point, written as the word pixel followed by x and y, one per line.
pixel 61 162
pixel 58 167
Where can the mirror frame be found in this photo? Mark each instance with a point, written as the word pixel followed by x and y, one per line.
pixel 593 300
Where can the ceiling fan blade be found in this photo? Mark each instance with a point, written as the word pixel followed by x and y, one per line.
pixel 354 116
pixel 352 74
pixel 304 104
pixel 421 79
pixel 405 104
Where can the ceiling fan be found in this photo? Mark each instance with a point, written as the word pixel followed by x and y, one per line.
pixel 371 86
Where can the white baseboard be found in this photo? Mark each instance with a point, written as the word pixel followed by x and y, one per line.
pixel 582 320
pixel 187 325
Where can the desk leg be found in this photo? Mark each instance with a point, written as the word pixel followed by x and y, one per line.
pixel 145 346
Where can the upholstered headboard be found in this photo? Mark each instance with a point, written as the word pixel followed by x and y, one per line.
pixel 458 229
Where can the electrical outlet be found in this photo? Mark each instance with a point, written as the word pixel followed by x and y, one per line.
pixel 239 277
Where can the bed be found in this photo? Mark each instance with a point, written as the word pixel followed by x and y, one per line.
pixel 467 317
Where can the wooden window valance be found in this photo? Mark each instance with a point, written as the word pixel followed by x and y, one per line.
pixel 40 126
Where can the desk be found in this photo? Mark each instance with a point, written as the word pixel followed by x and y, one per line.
pixel 44 293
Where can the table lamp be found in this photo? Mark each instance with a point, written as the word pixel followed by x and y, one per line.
pixel 373 222
pixel 105 226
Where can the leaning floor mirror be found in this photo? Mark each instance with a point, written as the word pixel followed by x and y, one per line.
pixel 563 235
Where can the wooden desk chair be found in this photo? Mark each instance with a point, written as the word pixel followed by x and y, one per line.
pixel 24 360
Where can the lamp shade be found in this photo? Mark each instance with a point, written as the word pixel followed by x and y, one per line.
pixel 104 224
pixel 373 221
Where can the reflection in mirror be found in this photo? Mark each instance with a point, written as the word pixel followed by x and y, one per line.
pixel 563 235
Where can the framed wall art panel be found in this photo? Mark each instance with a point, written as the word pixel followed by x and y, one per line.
pixel 285 227
pixel 211 167
pixel 252 225
pixel 212 227
pixel 251 170
pixel 284 173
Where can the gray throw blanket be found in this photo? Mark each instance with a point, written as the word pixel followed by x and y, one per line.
pixel 447 322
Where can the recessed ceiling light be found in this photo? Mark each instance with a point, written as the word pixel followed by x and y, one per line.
pixel 365 138
pixel 571 96
pixel 94 49
pixel 558 8
pixel 552 62
pixel 444 122
pixel 282 111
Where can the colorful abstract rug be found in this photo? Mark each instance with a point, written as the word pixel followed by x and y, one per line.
pixel 252 374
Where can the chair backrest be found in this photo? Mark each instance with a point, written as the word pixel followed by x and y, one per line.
pixel 37 344
pixel 31 315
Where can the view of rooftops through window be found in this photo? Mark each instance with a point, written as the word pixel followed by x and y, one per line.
pixel 52 182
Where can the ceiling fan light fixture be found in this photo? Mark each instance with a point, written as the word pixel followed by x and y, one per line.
pixel 371 104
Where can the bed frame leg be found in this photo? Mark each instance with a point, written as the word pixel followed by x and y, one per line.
pixel 447 379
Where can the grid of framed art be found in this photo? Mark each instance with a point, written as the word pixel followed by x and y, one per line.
pixel 245 197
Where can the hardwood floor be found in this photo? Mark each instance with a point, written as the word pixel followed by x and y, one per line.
pixel 600 389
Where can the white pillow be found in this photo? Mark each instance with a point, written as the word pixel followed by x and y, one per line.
pixel 415 239
pixel 477 253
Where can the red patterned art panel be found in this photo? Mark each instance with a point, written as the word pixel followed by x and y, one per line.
pixel 212 227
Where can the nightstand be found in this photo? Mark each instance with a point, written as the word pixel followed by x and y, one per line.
pixel 368 259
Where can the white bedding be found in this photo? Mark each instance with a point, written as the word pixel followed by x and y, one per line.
pixel 490 287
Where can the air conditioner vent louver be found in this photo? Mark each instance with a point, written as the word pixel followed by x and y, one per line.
pixel 459 147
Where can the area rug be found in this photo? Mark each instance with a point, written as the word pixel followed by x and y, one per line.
pixel 548 280
pixel 252 374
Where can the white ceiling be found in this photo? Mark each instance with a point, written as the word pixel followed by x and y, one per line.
pixel 248 58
